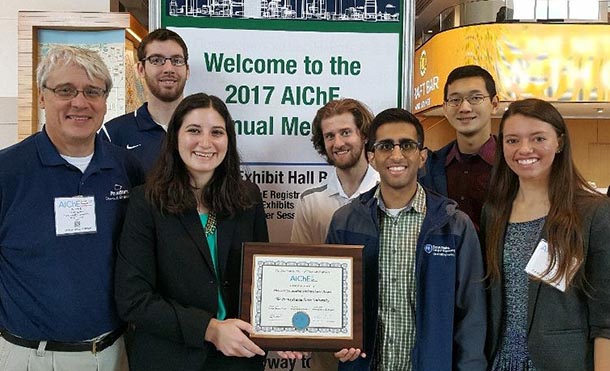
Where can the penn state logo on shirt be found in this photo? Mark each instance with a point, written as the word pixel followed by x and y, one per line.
pixel 437 250
pixel 428 248
pixel 118 192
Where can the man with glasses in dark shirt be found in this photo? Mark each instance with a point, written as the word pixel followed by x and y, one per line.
pixel 461 169
pixel 163 63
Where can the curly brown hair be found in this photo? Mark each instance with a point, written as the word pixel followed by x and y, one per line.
pixel 362 116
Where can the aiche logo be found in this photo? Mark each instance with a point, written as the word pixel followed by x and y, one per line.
pixel 117 193
pixel 423 63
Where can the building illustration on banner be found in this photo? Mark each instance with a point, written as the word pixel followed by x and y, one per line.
pixel 335 10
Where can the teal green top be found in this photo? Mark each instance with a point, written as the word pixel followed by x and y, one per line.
pixel 211 238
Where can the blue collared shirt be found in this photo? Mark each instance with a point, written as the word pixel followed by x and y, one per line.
pixel 59 287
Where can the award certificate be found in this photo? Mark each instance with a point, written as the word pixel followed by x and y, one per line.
pixel 303 296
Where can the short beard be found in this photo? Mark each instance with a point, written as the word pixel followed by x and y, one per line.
pixel 350 164
pixel 166 96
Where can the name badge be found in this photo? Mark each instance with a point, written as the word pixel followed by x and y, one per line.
pixel 539 262
pixel 75 215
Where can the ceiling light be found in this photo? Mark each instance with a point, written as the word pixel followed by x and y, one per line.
pixel 430 31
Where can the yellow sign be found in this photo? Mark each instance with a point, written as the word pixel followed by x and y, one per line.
pixel 555 62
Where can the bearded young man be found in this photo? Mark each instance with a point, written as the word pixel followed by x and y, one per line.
pixel 339 133
pixel 163 63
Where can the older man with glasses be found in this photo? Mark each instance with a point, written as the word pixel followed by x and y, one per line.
pixel 63 195
pixel 461 169
pixel 424 294
pixel 163 64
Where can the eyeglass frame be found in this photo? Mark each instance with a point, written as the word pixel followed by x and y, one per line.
pixel 165 59
pixel 54 90
pixel 467 98
pixel 410 142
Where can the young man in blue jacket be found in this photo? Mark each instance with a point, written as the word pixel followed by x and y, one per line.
pixel 461 169
pixel 424 298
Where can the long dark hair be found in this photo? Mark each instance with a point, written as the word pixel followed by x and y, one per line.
pixel 563 224
pixel 168 185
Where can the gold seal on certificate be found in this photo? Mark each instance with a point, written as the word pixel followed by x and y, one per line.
pixel 303 297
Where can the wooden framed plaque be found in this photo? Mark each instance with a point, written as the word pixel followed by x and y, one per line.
pixel 303 297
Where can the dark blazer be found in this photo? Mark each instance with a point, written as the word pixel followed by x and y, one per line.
pixel 562 325
pixel 166 285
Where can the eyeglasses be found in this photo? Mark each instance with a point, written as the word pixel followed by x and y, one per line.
pixel 158 60
pixel 407 146
pixel 473 99
pixel 69 92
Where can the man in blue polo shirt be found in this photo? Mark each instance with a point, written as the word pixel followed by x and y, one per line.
pixel 163 63
pixel 63 194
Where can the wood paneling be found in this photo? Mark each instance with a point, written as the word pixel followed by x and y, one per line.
pixel 599 157
pixel 583 133
pixel 437 132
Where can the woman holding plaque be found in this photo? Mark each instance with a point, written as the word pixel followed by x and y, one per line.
pixel 547 238
pixel 179 257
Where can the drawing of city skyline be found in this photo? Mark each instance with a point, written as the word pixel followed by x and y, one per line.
pixel 327 10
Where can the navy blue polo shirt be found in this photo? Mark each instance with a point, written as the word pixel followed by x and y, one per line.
pixel 137 132
pixel 60 287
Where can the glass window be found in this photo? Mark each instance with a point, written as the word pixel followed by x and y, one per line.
pixel 556 9
pixel 584 9
pixel 523 9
